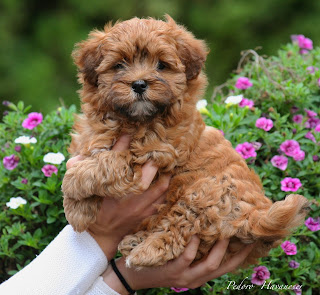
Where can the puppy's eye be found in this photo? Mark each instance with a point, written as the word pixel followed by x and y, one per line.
pixel 119 66
pixel 161 65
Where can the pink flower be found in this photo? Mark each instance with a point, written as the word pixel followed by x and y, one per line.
pixel 297 289
pixel 246 102
pixel 319 82
pixel 289 248
pixel 280 162
pixel 312 122
pixel 243 83
pixel 222 132
pixel 312 69
pixel 297 119
pixel 10 162
pixel 246 150
pixel 294 264
pixel 264 123
pixel 310 136
pixel 48 170
pixel 313 224
pixel 290 147
pixel 289 184
pixel 178 290
pixel 299 155
pixel 33 120
pixel 310 113
pixel 317 129
pixel 260 275
pixel 303 42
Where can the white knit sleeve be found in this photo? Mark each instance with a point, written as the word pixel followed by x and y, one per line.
pixel 100 288
pixel 69 265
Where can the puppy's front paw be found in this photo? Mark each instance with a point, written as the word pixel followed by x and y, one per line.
pixel 130 242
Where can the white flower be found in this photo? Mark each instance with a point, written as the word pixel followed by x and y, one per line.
pixel 234 99
pixel 14 203
pixel 54 158
pixel 201 104
pixel 25 140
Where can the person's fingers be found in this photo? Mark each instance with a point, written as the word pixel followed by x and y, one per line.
pixel 189 254
pixel 149 171
pixel 73 160
pixel 157 189
pixel 122 144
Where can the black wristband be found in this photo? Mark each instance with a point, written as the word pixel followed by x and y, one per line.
pixel 121 278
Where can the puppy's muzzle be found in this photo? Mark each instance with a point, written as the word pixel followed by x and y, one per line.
pixel 139 86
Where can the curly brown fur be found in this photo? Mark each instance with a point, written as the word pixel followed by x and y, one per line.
pixel 212 192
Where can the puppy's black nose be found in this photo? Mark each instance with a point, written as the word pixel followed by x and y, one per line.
pixel 139 86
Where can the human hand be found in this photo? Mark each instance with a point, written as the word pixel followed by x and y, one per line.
pixel 179 272
pixel 118 217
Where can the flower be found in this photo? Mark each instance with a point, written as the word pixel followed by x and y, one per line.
pixel 315 158
pixel 54 158
pixel 33 120
pixel 25 140
pixel 297 119
pixel 319 82
pixel 310 113
pixel 24 180
pixel 234 99
pixel 10 162
pixel 313 224
pixel 48 170
pixel 280 162
pixel 302 41
pixel 243 83
pixel 299 155
pixel 312 69
pixel 310 136
pixel 290 147
pixel 260 275
pixel 289 184
pixel 201 104
pixel 14 203
pixel 312 122
pixel 6 103
pixel 294 264
pixel 246 103
pixel 264 123
pixel 246 150
pixel 297 289
pixel 289 248
pixel 317 129
pixel 17 148
pixel 178 290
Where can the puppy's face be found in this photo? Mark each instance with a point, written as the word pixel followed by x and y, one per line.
pixel 139 68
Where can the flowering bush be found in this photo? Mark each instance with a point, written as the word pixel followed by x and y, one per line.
pixel 32 159
pixel 269 110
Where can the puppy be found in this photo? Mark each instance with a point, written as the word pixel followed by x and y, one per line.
pixel 143 77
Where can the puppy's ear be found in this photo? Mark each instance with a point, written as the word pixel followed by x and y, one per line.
pixel 87 56
pixel 192 52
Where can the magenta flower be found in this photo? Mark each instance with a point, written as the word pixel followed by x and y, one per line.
pixel 299 155
pixel 312 69
pixel 303 42
pixel 297 289
pixel 313 224
pixel 246 150
pixel 294 264
pixel 290 147
pixel 317 129
pixel 297 119
pixel 33 120
pixel 10 162
pixel 310 113
pixel 312 122
pixel 310 136
pixel 289 248
pixel 243 83
pixel 289 184
pixel 319 82
pixel 315 158
pixel 280 162
pixel 264 123
pixel 24 180
pixel 246 102
pixel 222 132
pixel 178 290
pixel 48 170
pixel 260 275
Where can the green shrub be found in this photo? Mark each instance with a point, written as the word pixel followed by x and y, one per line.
pixel 282 87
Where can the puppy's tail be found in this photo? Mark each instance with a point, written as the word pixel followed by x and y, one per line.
pixel 281 218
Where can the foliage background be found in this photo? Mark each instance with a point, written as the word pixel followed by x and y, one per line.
pixel 37 37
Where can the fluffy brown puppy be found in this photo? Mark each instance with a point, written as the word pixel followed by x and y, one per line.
pixel 143 77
